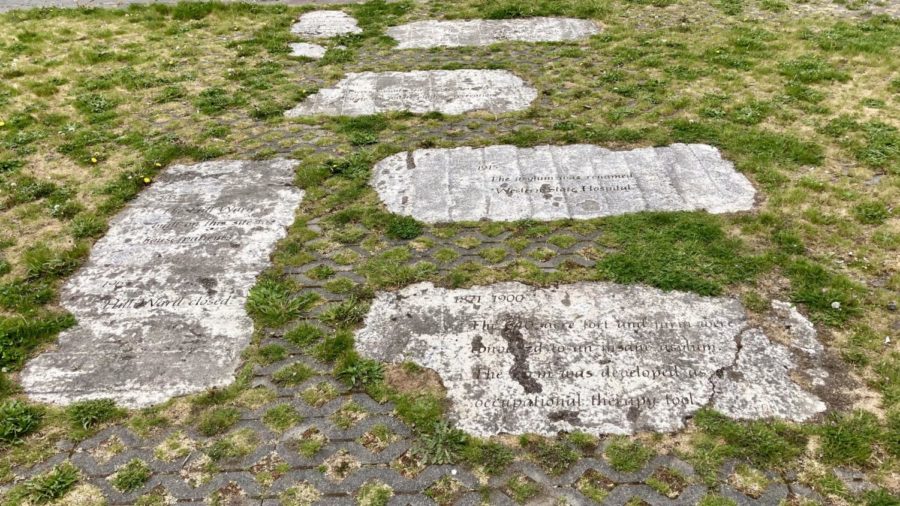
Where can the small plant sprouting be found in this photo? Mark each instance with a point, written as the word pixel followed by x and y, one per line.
pixel 90 413
pixel 359 372
pixel 131 476
pixel 442 445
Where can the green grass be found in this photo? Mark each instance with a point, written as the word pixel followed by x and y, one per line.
pixel 273 302
pixel 281 417
pixel 676 251
pixel 627 456
pixel 131 476
pixel 17 420
pixel 293 374
pixel 805 107
pixel 47 487
pixel 765 444
pixel 91 413
pixel 217 421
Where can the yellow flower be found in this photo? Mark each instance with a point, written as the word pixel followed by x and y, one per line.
pixel 147 180
pixel 93 159
pixel 158 164
pixel 2 123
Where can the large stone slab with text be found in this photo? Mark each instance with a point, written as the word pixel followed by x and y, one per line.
pixel 160 302
pixel 597 357
pixel 483 32
pixel 506 183
pixel 421 91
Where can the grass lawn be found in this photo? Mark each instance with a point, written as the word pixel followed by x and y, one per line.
pixel 95 102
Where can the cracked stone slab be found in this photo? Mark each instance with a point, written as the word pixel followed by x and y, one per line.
pixel 506 183
pixel 307 50
pixel 445 91
pixel 325 24
pixel 483 32
pixel 596 357
pixel 160 302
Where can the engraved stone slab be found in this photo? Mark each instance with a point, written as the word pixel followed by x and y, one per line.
pixel 597 357
pixel 483 32
pixel 506 183
pixel 307 50
pixel 160 302
pixel 324 24
pixel 445 91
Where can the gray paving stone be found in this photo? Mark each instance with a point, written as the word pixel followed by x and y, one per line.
pixel 596 357
pixel 160 302
pixel 506 183
pixel 445 91
pixel 483 32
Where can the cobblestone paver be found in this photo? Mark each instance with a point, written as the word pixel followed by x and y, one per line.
pixel 274 468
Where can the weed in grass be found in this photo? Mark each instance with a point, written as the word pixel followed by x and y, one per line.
pixel 217 421
pixel 359 372
pixel 441 444
pixel 17 420
pixel 356 166
pixel 131 476
pixel 272 302
pixel 50 486
pixel 90 413
pixel 346 313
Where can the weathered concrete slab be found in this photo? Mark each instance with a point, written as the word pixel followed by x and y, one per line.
pixel 483 32
pixel 307 50
pixel 160 302
pixel 445 91
pixel 596 357
pixel 324 24
pixel 506 183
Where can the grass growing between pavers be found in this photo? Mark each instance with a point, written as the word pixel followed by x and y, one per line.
pixel 94 103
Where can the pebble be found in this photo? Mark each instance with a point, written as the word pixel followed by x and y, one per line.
pixel 892 306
